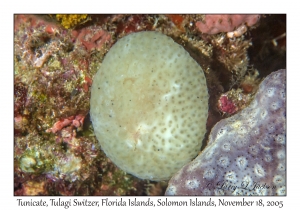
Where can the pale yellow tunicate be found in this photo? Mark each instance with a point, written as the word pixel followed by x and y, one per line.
pixel 149 105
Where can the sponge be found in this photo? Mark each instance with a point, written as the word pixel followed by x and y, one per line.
pixel 149 105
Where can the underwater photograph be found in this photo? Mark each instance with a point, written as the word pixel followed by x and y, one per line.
pixel 149 104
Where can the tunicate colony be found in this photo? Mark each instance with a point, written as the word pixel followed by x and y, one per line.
pixel 246 153
pixel 149 105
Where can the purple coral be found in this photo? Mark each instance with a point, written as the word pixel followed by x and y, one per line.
pixel 246 153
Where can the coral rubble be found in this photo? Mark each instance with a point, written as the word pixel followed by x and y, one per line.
pixel 246 153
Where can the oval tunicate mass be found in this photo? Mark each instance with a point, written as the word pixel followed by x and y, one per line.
pixel 149 105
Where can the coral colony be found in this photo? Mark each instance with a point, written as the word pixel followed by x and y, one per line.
pixel 203 85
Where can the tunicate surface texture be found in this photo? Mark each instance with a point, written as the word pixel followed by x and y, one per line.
pixel 246 153
pixel 149 105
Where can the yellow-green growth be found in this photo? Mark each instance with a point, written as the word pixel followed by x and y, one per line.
pixel 71 20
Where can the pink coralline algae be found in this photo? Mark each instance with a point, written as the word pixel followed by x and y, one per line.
pixel 233 101
pixel 92 38
pixel 214 24
pixel 226 105
pixel 246 153
pixel 76 121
